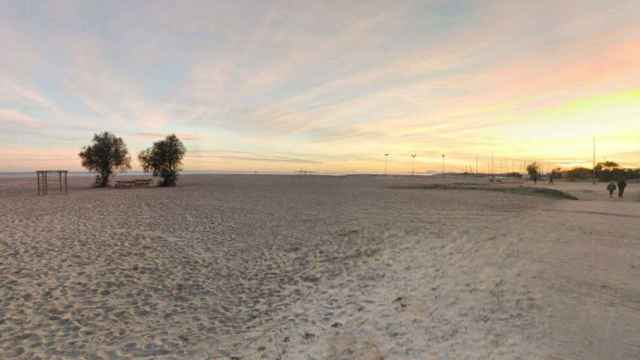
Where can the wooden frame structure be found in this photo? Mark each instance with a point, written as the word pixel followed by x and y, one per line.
pixel 42 181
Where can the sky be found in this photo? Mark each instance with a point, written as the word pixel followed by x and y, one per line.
pixel 326 86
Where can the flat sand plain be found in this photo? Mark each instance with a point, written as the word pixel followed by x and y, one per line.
pixel 315 267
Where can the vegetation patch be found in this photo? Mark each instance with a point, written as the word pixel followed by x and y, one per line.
pixel 546 192
pixel 519 190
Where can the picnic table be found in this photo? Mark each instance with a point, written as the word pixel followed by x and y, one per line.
pixel 133 183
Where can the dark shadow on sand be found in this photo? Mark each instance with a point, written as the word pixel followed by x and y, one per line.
pixel 518 190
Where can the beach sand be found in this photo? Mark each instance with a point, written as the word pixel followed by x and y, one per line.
pixel 318 267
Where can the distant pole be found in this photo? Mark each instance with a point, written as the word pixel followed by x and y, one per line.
pixel 386 163
pixel 413 164
pixel 443 164
pixel 489 166
pixel 492 169
pixel 594 160
pixel 476 164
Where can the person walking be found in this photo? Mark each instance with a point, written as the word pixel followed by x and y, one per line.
pixel 611 188
pixel 622 184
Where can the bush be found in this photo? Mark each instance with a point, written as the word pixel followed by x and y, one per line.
pixel 164 158
pixel 579 173
pixel 533 170
pixel 106 154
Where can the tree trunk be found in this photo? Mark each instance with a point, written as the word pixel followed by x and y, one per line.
pixel 105 180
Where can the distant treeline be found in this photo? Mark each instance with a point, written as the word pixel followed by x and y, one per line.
pixel 605 172
pixel 602 173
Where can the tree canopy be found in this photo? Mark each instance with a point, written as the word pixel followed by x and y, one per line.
pixel 164 159
pixel 605 172
pixel 611 171
pixel 106 154
pixel 606 166
pixel 533 170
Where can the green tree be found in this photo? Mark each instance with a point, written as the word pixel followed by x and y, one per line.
pixel 106 154
pixel 555 174
pixel 164 159
pixel 609 165
pixel 533 170
pixel 579 173
pixel 608 171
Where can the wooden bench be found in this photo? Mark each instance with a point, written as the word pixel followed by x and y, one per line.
pixel 143 182
pixel 133 183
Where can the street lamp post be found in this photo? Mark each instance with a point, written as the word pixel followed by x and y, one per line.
pixel 594 161
pixel 386 161
pixel 443 164
pixel 413 164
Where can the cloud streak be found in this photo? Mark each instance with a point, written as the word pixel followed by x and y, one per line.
pixel 12 117
pixel 341 82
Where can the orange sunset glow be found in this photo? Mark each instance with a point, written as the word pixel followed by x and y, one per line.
pixel 328 89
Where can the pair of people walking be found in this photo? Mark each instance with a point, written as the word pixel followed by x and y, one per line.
pixel 620 186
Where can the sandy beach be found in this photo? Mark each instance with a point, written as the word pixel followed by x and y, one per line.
pixel 318 267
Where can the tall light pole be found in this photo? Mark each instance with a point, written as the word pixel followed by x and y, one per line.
pixel 476 164
pixel 492 168
pixel 413 164
pixel 594 160
pixel 443 164
pixel 386 163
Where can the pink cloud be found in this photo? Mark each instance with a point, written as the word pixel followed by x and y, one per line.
pixel 12 92
pixel 159 136
pixel 14 117
pixel 32 96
